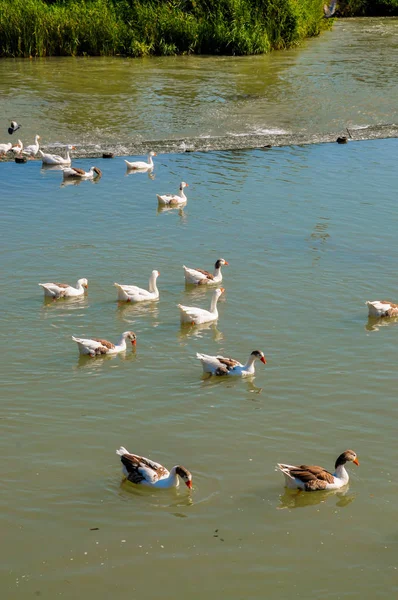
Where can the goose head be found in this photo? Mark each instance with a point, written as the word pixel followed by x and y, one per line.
pixel 130 335
pixel 83 282
pixel 152 153
pixel 220 263
pixel 260 355
pixel 96 170
pixel 347 456
pixel 185 475
pixel 183 185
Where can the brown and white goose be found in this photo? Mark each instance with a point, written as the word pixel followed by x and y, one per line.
pixel 312 478
pixel 143 471
pixel 64 290
pixel 200 277
pixel 81 174
pixel 133 293
pixel 382 308
pixel 173 199
pixel 99 347
pixel 220 365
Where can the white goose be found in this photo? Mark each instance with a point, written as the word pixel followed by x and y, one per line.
pixel 382 308
pixel 141 165
pixel 81 174
pixel 98 346
pixel 17 148
pixel 312 478
pixel 143 471
pixel 220 365
pixel 64 290
pixel 200 277
pixel 173 199
pixel 132 293
pixel 196 316
pixel 33 149
pixel 56 159
pixel 4 148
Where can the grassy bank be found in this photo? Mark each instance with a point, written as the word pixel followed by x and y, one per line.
pixel 161 27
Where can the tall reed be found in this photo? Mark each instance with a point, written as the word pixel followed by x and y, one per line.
pixel 139 27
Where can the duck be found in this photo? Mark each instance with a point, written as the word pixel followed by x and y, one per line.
pixel 64 290
pixel 200 277
pixel 173 199
pixel 14 127
pixel 312 478
pixel 97 346
pixel 81 174
pixel 33 149
pixel 4 148
pixel 132 293
pixel 141 165
pixel 17 148
pixel 143 471
pixel 382 308
pixel 56 159
pixel 220 365
pixel 196 316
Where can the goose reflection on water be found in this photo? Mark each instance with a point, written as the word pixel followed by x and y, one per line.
pixel 299 499
pixel 170 498
pixel 188 331
pixel 374 323
pixel 97 363
pixel 172 209
pixel 65 304
pixel 129 310
pixel 149 172
pixel 72 181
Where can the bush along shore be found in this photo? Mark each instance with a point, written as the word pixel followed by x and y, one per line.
pixel 34 28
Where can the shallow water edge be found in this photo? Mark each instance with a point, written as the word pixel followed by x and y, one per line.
pixel 230 142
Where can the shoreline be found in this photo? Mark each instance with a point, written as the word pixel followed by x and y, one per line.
pixel 225 143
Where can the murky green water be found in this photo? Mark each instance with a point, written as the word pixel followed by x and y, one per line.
pixel 310 234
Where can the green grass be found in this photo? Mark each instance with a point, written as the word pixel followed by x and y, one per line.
pixel 161 27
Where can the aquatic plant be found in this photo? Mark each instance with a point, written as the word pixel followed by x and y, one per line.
pixel 140 27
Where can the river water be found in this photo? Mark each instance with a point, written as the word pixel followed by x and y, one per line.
pixel 309 233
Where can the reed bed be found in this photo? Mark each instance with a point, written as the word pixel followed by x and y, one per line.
pixel 30 28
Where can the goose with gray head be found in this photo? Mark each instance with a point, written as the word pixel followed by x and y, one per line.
pixel 143 471
pixel 173 199
pixel 221 365
pixel 64 290
pixel 133 293
pixel 196 316
pixel 98 347
pixel 312 478
pixel 201 277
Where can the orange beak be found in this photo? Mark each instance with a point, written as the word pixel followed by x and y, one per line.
pixel 226 263
pixel 263 360
pixel 86 286
pixel 356 462
pixel 189 484
pixel 222 290
pixel 134 342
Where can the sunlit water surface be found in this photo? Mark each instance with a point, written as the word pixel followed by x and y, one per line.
pixel 310 234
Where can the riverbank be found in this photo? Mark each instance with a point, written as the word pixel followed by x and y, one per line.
pixel 37 28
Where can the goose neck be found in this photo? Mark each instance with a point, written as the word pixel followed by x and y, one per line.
pixel 341 473
pixel 213 305
pixel 249 366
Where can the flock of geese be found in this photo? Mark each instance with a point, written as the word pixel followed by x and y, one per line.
pixel 138 469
